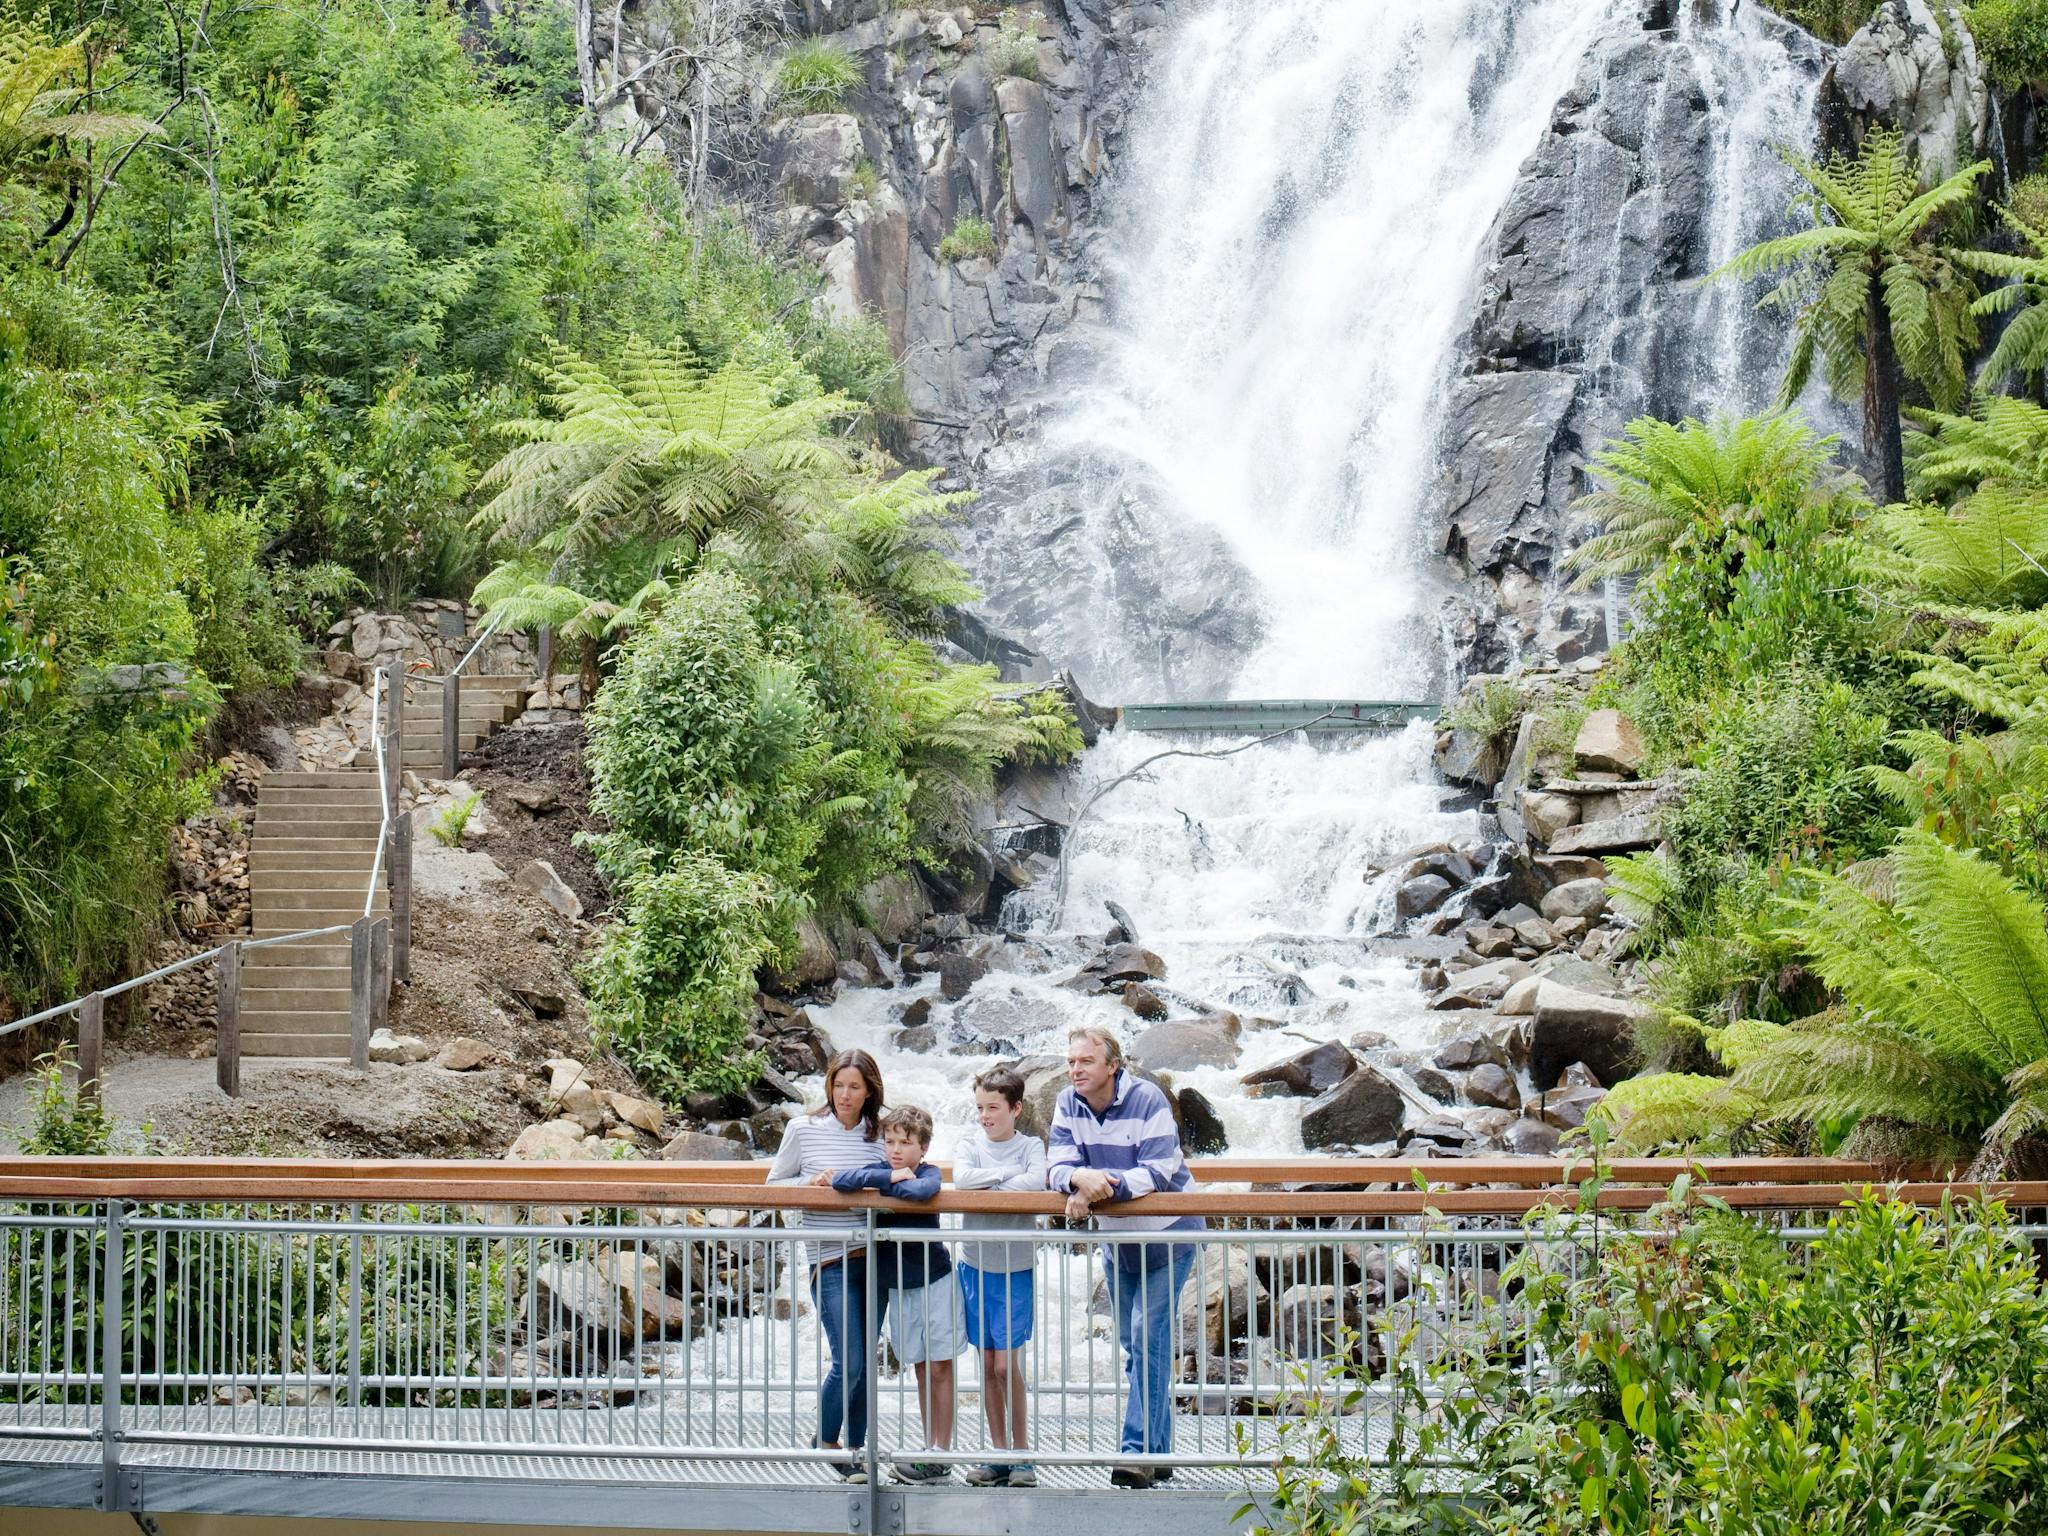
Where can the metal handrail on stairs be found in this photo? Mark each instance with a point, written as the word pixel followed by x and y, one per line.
pixel 378 952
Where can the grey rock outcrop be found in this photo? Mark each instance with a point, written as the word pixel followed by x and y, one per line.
pixel 1913 67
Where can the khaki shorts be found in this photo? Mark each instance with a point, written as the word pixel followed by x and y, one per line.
pixel 928 1322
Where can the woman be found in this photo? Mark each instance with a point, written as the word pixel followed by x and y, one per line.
pixel 843 1132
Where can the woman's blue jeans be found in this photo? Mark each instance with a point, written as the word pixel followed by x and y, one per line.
pixel 839 1293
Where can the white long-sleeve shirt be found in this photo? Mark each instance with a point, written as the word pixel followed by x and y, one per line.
pixel 815 1144
pixel 1014 1166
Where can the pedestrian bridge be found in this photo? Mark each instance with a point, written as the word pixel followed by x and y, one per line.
pixel 631 1345
pixel 1267 717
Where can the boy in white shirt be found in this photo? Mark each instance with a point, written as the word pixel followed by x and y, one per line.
pixel 996 1277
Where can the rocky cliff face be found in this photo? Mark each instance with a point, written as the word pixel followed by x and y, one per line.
pixel 1658 164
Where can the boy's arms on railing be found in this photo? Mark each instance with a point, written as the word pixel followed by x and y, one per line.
pixel 882 1180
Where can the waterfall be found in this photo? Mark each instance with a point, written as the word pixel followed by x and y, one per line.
pixel 1308 191
pixel 1304 205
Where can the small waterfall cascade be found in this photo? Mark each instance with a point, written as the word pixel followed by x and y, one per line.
pixel 1306 199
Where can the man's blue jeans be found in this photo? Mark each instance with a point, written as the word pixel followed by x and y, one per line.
pixel 1147 1305
pixel 839 1293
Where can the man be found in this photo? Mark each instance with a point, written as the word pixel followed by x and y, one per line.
pixel 1113 1139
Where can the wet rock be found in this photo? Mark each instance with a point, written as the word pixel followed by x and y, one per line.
pixel 1129 962
pixel 1216 1307
pixel 1555 869
pixel 1364 1108
pixel 1437 1133
pixel 1575 898
pixel 1529 1137
pixel 1182 1045
pixel 1609 742
pixel 1567 1108
pixel 1433 1084
pixel 1492 1085
pixel 1144 1002
pixel 1574 1026
pixel 895 907
pixel 1316 1321
pixel 637 1282
pixel 918 1039
pixel 579 1294
pixel 1481 986
pixel 958 974
pixel 1201 1128
pixel 1579 1075
pixel 1490 943
pixel 538 878
pixel 1468 1051
pixel 815 157
pixel 1421 895
pixel 1466 757
pixel 1535 933
pixel 915 1014
pixel 1304 1074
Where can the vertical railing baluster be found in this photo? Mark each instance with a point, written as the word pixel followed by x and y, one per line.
pixel 112 1496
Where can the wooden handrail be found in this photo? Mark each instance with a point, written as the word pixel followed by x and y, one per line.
pixel 289 1181
pixel 1531 1172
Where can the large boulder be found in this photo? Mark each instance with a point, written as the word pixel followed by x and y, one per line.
pixel 1201 1128
pixel 1493 1086
pixel 1608 742
pixel 895 906
pixel 1183 1044
pixel 1362 1109
pixel 1917 72
pixel 1614 834
pixel 1575 898
pixel 1304 1074
pixel 1571 1026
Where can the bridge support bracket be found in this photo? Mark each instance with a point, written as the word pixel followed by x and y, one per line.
pixel 875 1512
pixel 120 1492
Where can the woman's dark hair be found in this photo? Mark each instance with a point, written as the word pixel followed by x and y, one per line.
pixel 871 1078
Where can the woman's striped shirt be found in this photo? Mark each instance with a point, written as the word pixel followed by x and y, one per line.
pixel 815 1144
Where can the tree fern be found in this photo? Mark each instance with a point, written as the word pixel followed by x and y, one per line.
pixel 1944 998
pixel 1661 485
pixel 41 120
pixel 1872 287
pixel 658 449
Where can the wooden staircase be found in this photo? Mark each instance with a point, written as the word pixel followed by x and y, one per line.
pixel 310 859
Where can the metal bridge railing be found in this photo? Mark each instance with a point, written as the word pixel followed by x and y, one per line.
pixel 643 1316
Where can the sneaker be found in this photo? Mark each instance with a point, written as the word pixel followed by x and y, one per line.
pixel 1130 1477
pixel 1023 1477
pixel 989 1477
pixel 1162 1474
pixel 850 1471
pixel 923 1472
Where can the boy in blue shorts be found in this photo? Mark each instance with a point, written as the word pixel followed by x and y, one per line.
pixel 996 1277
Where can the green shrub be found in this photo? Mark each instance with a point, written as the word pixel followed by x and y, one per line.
pixel 65 1123
pixel 1699 1378
pixel 1834 21
pixel 2012 42
pixel 1491 713
pixel 971 237
pixel 817 76
pixel 1015 52
pixel 671 988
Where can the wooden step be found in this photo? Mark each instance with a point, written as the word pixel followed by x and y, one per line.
pixel 299 1044
pixel 325 975
pixel 351 820
pixel 275 882
pixel 310 955
pixel 337 778
pixel 344 899
pixel 264 860
pixel 268 1000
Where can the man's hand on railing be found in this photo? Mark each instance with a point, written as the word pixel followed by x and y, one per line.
pixel 1093 1185
pixel 1077 1206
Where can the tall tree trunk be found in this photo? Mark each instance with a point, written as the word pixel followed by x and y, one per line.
pixel 1881 395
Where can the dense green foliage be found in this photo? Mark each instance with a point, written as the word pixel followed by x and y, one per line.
pixel 1889 1378
pixel 269 286
pixel 777 734
pixel 817 76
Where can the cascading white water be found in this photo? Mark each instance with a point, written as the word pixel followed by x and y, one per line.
pixel 1310 186
pixel 1759 98
pixel 1307 191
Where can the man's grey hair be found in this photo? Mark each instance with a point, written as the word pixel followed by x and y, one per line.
pixel 1112 1048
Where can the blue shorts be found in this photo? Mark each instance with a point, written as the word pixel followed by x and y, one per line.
pixel 999 1306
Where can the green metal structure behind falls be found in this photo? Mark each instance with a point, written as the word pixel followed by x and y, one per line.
pixel 1263 717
